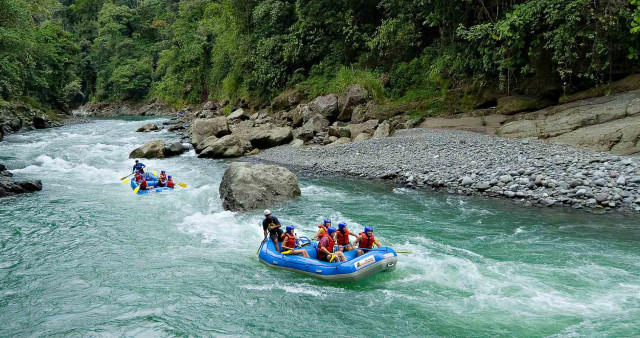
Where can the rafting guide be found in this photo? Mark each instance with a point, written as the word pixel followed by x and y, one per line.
pixel 272 225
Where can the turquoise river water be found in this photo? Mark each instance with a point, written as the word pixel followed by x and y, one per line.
pixel 87 257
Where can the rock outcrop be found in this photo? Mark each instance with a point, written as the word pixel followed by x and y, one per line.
pixel 247 187
pixel 326 106
pixel 264 138
pixel 203 128
pixel 609 123
pixel 226 147
pixel 351 98
pixel 9 187
pixel 152 149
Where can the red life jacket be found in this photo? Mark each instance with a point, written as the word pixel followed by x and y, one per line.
pixel 143 185
pixel 321 254
pixel 322 228
pixel 170 184
pixel 138 177
pixel 289 240
pixel 343 239
pixel 163 177
pixel 366 242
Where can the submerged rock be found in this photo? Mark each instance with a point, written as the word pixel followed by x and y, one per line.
pixel 246 187
pixel 147 128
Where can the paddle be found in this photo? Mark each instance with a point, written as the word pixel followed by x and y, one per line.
pixel 182 185
pixel 135 191
pixel 286 252
pixel 127 181
pixel 122 178
pixel 265 238
pixel 155 173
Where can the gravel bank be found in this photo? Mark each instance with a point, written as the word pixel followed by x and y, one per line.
pixel 531 172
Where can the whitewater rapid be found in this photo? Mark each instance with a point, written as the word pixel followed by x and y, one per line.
pixel 88 257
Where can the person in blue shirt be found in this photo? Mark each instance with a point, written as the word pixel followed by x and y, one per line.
pixel 138 166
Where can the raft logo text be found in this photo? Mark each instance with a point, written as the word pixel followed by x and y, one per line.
pixel 364 262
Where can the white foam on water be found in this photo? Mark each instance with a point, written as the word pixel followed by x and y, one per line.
pixel 221 227
pixel 47 164
pixel 404 191
pixel 297 288
pixel 518 231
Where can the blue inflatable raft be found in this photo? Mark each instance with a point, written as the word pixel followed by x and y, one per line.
pixel 353 270
pixel 151 182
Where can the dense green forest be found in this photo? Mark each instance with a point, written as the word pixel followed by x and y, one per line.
pixel 62 53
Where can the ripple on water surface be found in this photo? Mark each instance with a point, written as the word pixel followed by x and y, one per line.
pixel 87 257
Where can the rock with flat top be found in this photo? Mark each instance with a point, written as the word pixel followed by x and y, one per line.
pixel 247 187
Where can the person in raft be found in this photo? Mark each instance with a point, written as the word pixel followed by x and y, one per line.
pixel 342 237
pixel 366 240
pixel 289 243
pixel 143 184
pixel 322 228
pixel 138 176
pixel 138 167
pixel 272 224
pixel 325 247
pixel 162 179
pixel 170 183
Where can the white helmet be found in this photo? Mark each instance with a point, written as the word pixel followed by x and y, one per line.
pixel 267 212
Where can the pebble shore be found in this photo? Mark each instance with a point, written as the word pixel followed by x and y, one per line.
pixel 532 172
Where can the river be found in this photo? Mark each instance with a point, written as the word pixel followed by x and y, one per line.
pixel 87 257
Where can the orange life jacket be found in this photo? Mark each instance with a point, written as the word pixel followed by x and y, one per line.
pixel 289 240
pixel 366 242
pixel 321 254
pixel 343 239
pixel 323 228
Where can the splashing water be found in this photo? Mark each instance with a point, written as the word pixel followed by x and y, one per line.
pixel 87 257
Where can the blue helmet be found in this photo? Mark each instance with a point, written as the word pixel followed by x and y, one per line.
pixel 169 176
pixel 341 225
pixel 290 227
pixel 367 228
pixel 162 172
pixel 326 220
pixel 331 230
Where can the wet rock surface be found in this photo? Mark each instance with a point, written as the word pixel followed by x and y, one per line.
pixel 11 187
pixel 531 172
pixel 246 187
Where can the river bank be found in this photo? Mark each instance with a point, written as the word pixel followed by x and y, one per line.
pixel 530 172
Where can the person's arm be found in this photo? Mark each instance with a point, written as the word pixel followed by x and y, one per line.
pixel 316 235
pixel 377 243
pixel 352 234
pixel 358 238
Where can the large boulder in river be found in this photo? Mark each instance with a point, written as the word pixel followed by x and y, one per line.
pixel 152 149
pixel 203 128
pixel 9 187
pixel 267 138
pixel 326 106
pixel 173 149
pixel 225 147
pixel 351 98
pixel 148 127
pixel 247 187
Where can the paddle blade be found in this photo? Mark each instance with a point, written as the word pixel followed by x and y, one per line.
pixel 286 252
pixel 126 181
pixel 122 178
pixel 155 174
pixel 135 191
pixel 403 252
pixel 182 185
pixel 332 257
